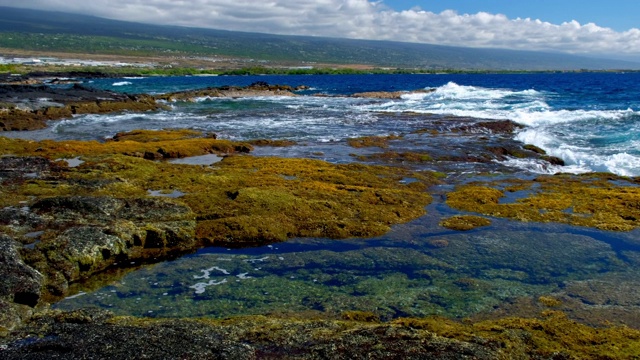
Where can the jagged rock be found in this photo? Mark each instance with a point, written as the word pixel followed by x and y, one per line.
pixel 20 283
pixel 553 160
pixel 495 127
pixel 25 108
pixel 12 167
pixel 89 234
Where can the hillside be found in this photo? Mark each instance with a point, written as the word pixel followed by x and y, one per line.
pixel 63 32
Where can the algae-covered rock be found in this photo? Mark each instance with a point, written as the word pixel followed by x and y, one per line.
pixel 97 334
pixel 99 214
pixel 465 222
pixel 86 235
pixel 20 288
pixel 592 200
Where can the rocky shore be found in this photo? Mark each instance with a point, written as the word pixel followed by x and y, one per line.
pixel 75 212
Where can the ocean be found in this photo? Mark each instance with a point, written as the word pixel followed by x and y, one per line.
pixel 590 120
pixel 420 268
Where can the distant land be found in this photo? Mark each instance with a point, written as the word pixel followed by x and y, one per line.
pixel 46 32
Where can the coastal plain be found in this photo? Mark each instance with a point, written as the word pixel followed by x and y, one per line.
pixel 74 214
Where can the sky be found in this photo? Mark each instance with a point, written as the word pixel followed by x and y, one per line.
pixel 608 28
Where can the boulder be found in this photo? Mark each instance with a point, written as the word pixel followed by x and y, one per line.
pixel 20 283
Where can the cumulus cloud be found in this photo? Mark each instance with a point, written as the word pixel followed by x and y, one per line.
pixel 360 19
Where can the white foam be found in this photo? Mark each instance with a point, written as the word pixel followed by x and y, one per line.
pixel 201 287
pixel 623 164
pixel 206 273
pixel 122 83
pixel 538 166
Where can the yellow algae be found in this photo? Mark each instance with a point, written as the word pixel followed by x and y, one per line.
pixel 590 200
pixel 242 198
pixel 272 143
pixel 169 144
pixel 412 157
pixel 372 141
pixel 360 316
pixel 549 301
pixel 553 334
pixel 465 222
pixel 157 135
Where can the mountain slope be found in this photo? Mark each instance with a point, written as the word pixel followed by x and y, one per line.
pixel 56 31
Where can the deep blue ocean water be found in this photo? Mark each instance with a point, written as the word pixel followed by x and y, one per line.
pixel 590 120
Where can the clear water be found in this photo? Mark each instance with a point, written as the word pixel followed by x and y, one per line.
pixel 418 269
pixel 589 120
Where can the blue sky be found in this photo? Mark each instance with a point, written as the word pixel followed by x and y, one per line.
pixel 619 15
pixel 602 28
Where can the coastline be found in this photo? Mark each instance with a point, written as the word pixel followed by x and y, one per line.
pixel 170 228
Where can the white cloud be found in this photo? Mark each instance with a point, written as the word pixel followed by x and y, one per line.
pixel 360 19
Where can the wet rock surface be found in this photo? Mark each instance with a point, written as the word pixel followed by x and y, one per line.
pixel 98 335
pixel 21 284
pixel 29 107
pixel 59 240
pixel 255 89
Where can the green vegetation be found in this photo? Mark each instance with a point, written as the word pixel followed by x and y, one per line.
pixel 108 45
pixel 41 31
